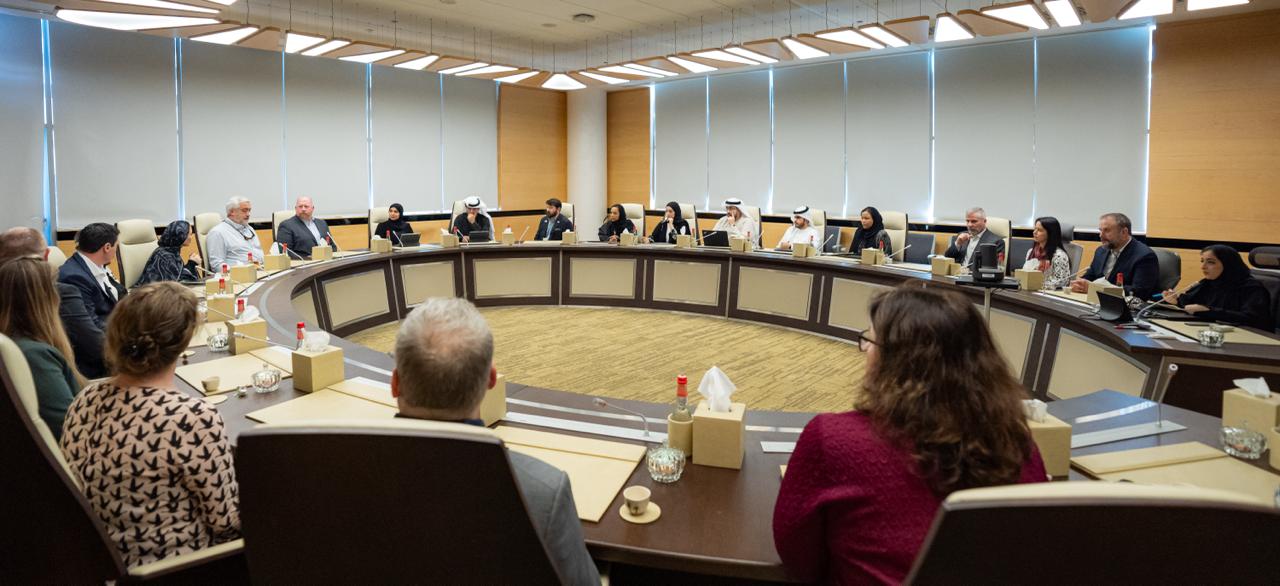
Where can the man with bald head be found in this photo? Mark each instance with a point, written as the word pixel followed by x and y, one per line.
pixel 82 329
pixel 303 230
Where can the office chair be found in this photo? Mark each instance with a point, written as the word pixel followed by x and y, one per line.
pixel 1170 268
pixel 895 223
pixel 137 242
pixel 1266 262
pixel 922 245
pixel 202 224
pixel 377 216
pixel 276 219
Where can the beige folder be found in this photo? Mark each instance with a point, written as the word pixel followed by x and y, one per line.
pixel 597 469
pixel 322 405
pixel 281 358
pixel 1190 463
pixel 369 390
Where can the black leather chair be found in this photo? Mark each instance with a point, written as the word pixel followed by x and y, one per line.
pixel 921 247
pixel 1018 249
pixel 395 502
pixel 1170 268
pixel 1266 260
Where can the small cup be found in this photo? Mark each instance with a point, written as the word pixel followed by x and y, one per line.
pixel 211 384
pixel 637 498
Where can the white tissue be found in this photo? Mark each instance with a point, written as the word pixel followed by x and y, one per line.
pixel 444 232
pixel 1254 386
pixel 316 341
pixel 250 313
pixel 507 231
pixel 1035 409
pixel 715 388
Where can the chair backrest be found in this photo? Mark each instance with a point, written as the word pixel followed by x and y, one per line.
pixel 922 244
pixel 137 242
pixel 1068 231
pixel 566 209
pixel 754 213
pixel 1198 532
pixel 377 216
pixel 1003 228
pixel 48 533
pixel 1270 279
pixel 819 219
pixel 1265 257
pixel 415 501
pixel 276 219
pixel 1170 268
pixel 895 223
pixel 1075 253
pixel 1018 249
pixel 56 257
pixel 689 212
pixel 635 213
pixel 203 223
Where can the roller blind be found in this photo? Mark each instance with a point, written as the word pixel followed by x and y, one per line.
pixel 232 129
pixel 115 116
pixel 21 123
pixel 985 130
pixel 808 119
pixel 739 159
pixel 888 134
pixel 470 140
pixel 1091 126
pixel 326 135
pixel 680 142
pixel 405 122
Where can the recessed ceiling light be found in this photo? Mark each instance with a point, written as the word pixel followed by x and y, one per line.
pixel 1145 8
pixel 884 35
pixel 372 57
pixel 851 37
pixel 561 81
pixel 654 70
pixel 294 42
pixel 224 2
pixel 692 66
pixel 230 37
pixel 1207 4
pixel 949 29
pixel 462 68
pixel 165 5
pixel 803 51
pixel 418 64
pixel 124 21
pixel 325 47
pixel 727 57
pixel 584 17
pixel 749 54
pixel 517 77
pixel 489 70
pixel 1064 12
pixel 1020 13
pixel 628 71
pixel 604 78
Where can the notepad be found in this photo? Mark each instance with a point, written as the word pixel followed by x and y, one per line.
pixel 597 469
pixel 325 404
pixel 232 372
pixel 1190 463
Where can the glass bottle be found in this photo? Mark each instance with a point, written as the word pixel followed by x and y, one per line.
pixel 302 334
pixel 681 412
pixel 222 285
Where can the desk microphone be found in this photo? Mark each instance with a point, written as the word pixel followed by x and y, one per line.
pixel 207 308
pixel 827 241
pixel 285 248
pixel 900 251
pixel 522 233
pixel 397 235
pixel 603 404
pixel 264 341
pixel 329 236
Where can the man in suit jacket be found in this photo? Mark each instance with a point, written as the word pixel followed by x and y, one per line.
pixel 303 230
pixel 964 246
pixel 444 365
pixel 553 225
pixel 1121 254
pixel 87 271
pixel 83 331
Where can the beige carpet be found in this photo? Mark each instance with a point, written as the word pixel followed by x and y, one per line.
pixel 636 354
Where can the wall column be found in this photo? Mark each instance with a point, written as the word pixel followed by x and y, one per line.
pixel 587 168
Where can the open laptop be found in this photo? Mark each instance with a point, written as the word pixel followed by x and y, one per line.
pixel 715 238
pixel 408 240
pixel 479 236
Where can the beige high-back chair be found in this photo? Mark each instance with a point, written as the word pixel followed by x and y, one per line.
pixel 377 216
pixel 56 257
pixel 137 242
pixel 635 213
pixel 202 224
pixel 276 219
pixel 1003 228
pixel 754 213
pixel 895 224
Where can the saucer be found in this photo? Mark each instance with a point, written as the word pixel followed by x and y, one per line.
pixel 650 515
pixel 215 399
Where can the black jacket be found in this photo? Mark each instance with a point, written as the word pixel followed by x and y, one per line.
pixel 1137 263
pixel 83 331
pixel 75 272
pixel 957 252
pixel 294 234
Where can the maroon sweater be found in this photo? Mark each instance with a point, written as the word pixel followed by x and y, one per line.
pixel 852 508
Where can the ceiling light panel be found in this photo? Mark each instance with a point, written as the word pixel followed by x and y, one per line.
pixel 949 29
pixel 325 47
pixel 164 5
pixel 653 70
pixel 629 71
pixel 692 66
pixel 372 57
pixel 1063 12
pixel 803 51
pixel 561 81
pixel 418 64
pixel 1207 4
pixel 489 70
pixel 462 68
pixel 883 35
pixel 230 37
pixel 1146 8
pixel 294 42
pixel 517 77
pixel 224 2
pixel 749 54
pixel 604 78
pixel 727 57
pixel 851 37
pixel 124 21
pixel 1023 14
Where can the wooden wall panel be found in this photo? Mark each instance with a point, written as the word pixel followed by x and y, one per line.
pixel 628 150
pixel 533 143
pixel 1215 129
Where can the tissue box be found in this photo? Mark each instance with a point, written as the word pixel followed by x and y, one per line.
pixel 449 240
pixel 569 237
pixel 321 252
pixel 221 308
pixel 254 328
pixel 380 245
pixel 244 274
pixel 1240 409
pixel 625 239
pixel 738 244
pixel 1273 440
pixel 276 262
pixel 943 266
pixel 719 436
pixel 493 407
pixel 803 251
pixel 508 238
pixel 211 287
pixel 1029 280
pixel 1053 438
pixel 684 241
pixel 313 371
pixel 872 256
pixel 1109 289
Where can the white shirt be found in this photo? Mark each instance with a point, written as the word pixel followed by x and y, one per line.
pixel 745 227
pixel 100 273
pixel 311 225
pixel 227 245
pixel 973 245
pixel 806 235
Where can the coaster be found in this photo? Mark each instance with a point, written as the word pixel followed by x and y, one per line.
pixel 216 399
pixel 650 515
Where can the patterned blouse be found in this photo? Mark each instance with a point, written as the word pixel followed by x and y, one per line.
pixel 1057 273
pixel 156 467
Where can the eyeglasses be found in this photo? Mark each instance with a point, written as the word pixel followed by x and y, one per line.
pixel 864 340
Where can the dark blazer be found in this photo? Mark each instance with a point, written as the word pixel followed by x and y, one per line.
pixel 294 234
pixel 84 332
pixel 557 230
pixel 76 272
pixel 1137 263
pixel 463 227
pixel 957 253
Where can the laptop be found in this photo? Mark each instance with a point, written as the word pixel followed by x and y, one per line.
pixel 408 240
pixel 479 236
pixel 715 238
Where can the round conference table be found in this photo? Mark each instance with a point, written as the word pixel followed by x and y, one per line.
pixel 719 521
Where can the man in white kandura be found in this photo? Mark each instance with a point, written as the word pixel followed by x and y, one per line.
pixel 801 230
pixel 736 221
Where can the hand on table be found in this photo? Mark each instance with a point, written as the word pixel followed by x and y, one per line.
pixel 1079 286
pixel 1195 308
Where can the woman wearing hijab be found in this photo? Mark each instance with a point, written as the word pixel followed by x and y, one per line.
pixel 671 225
pixel 473 219
pixel 616 224
pixel 735 222
pixel 801 230
pixel 1227 292
pixel 165 263
pixel 871 233
pixel 1048 256
pixel 395 224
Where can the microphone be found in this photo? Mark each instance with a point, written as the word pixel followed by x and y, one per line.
pixel 329 236
pixel 1137 318
pixel 603 404
pixel 207 309
pixel 900 251
pixel 522 233
pixel 264 341
pixel 825 242
pixel 397 235
pixel 285 248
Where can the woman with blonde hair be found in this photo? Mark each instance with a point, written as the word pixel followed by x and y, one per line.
pixel 154 461
pixel 29 315
pixel 939 412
